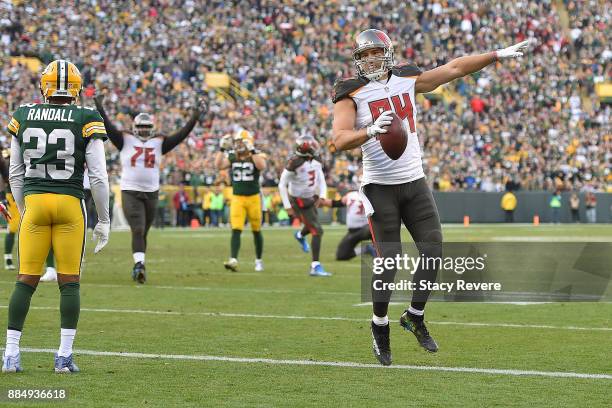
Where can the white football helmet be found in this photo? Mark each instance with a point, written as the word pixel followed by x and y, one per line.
pixel 143 126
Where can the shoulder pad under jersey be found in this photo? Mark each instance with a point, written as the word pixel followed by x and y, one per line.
pixel 344 87
pixel 406 70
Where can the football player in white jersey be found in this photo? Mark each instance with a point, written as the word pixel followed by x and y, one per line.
pixel 395 191
pixel 141 153
pixel 358 227
pixel 303 189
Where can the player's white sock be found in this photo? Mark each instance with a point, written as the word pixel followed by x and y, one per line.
pixel 314 264
pixel 12 342
pixel 67 338
pixel 357 250
pixel 416 312
pixel 380 321
pixel 8 257
pixel 298 234
pixel 139 257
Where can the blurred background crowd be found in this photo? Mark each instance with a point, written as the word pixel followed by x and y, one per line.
pixel 529 124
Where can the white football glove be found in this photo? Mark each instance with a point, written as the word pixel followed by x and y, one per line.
pixel 379 125
pixel 513 51
pixel 100 235
pixel 226 142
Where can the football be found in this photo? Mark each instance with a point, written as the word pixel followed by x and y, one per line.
pixel 395 140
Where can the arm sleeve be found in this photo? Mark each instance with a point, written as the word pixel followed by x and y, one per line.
pixel 98 178
pixel 173 140
pixel 114 134
pixel 322 183
pixel 17 174
pixel 282 188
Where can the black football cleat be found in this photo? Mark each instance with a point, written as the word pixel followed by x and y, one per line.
pixel 381 344
pixel 416 325
pixel 139 273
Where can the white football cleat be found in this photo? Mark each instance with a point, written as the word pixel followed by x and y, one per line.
pixel 11 364
pixel 50 275
pixel 8 262
pixel 231 265
pixel 259 265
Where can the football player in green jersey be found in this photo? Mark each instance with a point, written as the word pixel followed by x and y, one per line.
pixel 51 143
pixel 239 155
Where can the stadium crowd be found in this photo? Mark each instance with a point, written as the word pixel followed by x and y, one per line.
pixel 534 125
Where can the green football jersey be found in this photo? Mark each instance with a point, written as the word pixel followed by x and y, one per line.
pixel 52 140
pixel 245 176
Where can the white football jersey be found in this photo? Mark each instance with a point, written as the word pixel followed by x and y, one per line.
pixel 304 180
pixel 371 99
pixel 355 211
pixel 140 162
pixel 307 180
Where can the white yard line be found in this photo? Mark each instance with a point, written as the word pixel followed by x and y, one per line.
pixel 211 289
pixel 344 364
pixel 333 318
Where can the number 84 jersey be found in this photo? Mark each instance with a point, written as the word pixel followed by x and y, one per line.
pixel 140 161
pixel 371 98
pixel 53 140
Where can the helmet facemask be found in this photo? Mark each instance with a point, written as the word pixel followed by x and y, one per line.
pixel 143 126
pixel 373 67
pixel 239 146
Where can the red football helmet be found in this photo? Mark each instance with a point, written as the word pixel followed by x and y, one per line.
pixel 306 147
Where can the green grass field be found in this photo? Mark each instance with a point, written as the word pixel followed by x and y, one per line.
pixel 201 336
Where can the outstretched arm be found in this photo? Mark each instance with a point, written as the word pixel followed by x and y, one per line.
pixel 462 66
pixel 114 134
pixel 176 138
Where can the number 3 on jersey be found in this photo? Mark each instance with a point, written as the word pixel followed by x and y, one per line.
pixel 52 142
pixel 149 156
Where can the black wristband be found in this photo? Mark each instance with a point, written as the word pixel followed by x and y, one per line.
pixel 337 203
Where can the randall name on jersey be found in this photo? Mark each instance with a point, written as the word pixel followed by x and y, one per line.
pixel 50 114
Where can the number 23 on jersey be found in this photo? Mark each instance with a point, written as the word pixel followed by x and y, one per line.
pixel 48 145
